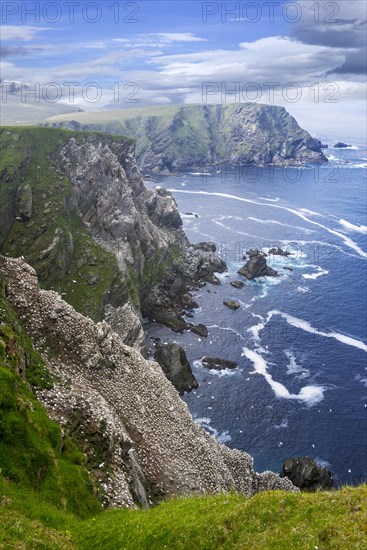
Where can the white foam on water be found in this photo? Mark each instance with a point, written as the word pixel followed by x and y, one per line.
pixel 361 379
pixel 292 367
pixel 301 213
pixel 307 327
pixel 319 273
pixel 359 228
pixel 275 222
pixel 303 289
pixel 283 424
pixel 308 394
pixel 200 174
pixel 277 199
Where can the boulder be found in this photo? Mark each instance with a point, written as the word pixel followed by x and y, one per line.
pixel 306 474
pixel 217 363
pixel 279 252
pixel 232 304
pixel 237 284
pixel 200 330
pixel 340 145
pixel 255 267
pixel 173 361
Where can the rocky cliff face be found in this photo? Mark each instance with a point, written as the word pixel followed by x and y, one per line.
pixel 74 204
pixel 186 137
pixel 139 438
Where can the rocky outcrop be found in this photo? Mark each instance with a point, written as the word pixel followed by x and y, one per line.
pixel 173 361
pixel 256 267
pixel 186 137
pixel 306 474
pixel 217 363
pixel 115 249
pixel 341 145
pixel 138 435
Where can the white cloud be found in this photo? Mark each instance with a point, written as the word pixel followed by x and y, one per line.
pixel 24 32
pixel 176 37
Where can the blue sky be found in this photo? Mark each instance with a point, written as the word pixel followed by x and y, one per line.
pixel 308 55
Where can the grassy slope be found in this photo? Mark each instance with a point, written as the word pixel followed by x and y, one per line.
pixel 273 520
pixel 33 450
pixel 66 269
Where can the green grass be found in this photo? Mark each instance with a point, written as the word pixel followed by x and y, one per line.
pixel 272 520
pixel 33 450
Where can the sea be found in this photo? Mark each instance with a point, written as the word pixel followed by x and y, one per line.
pixel 299 340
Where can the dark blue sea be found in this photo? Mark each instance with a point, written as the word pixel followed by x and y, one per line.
pixel 300 339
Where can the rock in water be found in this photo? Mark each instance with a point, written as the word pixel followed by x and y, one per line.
pixel 340 145
pixel 231 304
pixel 306 474
pixel 257 267
pixel 200 330
pixel 279 252
pixel 173 361
pixel 237 284
pixel 217 363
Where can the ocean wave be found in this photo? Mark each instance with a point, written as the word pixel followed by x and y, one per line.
pixel 352 227
pixel 308 394
pixel 277 199
pixel 275 222
pixel 301 213
pixel 200 174
pixel 350 148
pixel 303 289
pixel 307 327
pixel 319 273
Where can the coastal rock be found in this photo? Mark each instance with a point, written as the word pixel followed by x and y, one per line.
pixel 200 330
pixel 306 474
pixel 341 145
pixel 173 361
pixel 128 415
pixel 237 284
pixel 217 363
pixel 232 304
pixel 255 267
pixel 278 252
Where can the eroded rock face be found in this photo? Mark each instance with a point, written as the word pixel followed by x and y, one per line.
pixel 138 434
pixel 142 228
pixel 306 474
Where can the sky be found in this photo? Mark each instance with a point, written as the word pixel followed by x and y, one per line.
pixel 308 56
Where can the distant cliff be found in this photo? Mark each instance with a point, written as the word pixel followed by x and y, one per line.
pixel 186 137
